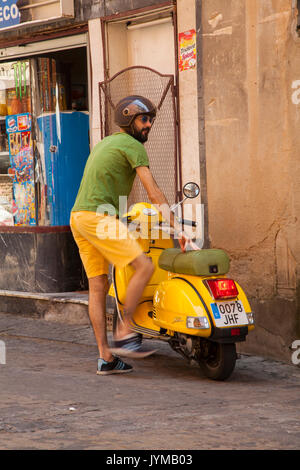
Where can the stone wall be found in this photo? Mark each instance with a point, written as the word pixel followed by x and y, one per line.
pixel 251 58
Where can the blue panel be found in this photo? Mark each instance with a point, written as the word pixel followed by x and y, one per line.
pixel 9 13
pixel 215 311
pixel 67 135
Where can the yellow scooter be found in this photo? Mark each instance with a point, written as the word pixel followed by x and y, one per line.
pixel 189 301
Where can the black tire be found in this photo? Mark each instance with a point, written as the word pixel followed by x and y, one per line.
pixel 217 360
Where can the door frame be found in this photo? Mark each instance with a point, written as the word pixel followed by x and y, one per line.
pixel 141 13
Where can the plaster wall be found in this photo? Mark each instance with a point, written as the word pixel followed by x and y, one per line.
pixel 251 55
pixel 188 100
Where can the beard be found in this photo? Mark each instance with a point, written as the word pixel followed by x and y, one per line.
pixel 140 135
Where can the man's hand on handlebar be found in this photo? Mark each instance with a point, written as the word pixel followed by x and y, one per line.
pixel 184 240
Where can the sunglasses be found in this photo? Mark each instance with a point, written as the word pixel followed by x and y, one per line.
pixel 145 118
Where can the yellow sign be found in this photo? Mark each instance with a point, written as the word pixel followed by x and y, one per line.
pixel 187 50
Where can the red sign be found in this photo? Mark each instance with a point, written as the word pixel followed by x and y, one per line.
pixel 187 50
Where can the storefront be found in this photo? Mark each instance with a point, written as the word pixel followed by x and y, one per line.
pixel 51 64
pixel 44 140
pixel 44 144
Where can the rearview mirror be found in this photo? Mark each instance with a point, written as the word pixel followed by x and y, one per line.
pixel 191 190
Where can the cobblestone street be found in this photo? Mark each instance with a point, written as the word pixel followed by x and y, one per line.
pixel 51 397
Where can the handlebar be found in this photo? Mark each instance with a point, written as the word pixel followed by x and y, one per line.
pixel 192 223
pixel 187 222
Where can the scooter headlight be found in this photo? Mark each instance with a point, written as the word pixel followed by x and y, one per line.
pixel 200 323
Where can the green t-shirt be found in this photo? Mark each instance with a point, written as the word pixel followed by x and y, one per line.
pixel 110 172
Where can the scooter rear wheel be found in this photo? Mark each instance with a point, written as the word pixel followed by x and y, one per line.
pixel 217 360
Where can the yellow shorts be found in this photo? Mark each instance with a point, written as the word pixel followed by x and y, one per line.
pixel 102 239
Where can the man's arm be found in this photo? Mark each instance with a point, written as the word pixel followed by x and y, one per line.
pixel 158 198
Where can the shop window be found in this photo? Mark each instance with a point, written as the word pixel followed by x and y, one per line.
pixel 16 150
pixel 44 131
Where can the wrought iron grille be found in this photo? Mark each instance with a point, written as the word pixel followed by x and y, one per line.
pixel 162 141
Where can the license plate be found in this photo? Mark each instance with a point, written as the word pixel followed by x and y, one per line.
pixel 230 313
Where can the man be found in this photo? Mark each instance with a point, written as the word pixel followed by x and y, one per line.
pixel 109 173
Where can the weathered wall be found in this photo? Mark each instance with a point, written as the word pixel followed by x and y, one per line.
pixel 26 265
pixel 250 61
pixel 190 112
pixel 84 11
pixel 96 8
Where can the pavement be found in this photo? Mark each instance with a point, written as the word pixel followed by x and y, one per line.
pixel 51 397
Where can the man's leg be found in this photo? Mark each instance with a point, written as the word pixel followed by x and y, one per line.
pixel 107 363
pixel 98 289
pixel 96 267
pixel 143 271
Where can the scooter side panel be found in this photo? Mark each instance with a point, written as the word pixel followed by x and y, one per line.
pixel 173 302
pixel 208 299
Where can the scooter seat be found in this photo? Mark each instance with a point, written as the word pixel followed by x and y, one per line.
pixel 195 263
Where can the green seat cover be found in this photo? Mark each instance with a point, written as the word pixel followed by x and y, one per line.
pixel 196 263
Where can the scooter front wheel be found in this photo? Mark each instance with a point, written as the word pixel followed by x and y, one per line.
pixel 217 360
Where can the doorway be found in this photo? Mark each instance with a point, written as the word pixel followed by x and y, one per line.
pixel 148 43
pixel 144 48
